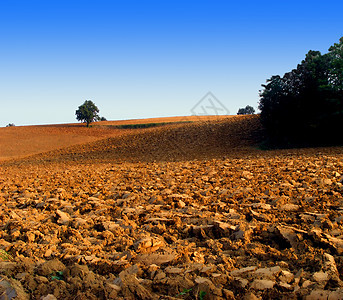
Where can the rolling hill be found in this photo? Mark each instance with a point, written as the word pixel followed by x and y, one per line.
pixel 175 139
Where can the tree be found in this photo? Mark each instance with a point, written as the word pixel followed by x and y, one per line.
pixel 10 125
pixel 87 112
pixel 336 55
pixel 305 106
pixel 248 110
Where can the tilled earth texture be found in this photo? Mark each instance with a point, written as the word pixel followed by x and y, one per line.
pixel 186 211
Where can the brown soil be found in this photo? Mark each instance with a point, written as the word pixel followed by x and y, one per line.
pixel 185 211
pixel 22 141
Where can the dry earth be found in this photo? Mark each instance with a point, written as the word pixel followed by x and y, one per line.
pixel 187 211
pixel 22 141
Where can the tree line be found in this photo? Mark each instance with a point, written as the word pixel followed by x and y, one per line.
pixel 304 107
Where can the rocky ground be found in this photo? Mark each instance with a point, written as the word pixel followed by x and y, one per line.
pixel 254 225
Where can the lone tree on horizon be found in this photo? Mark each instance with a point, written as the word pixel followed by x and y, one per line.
pixel 248 110
pixel 87 112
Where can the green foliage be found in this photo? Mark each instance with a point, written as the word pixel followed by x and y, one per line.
pixel 87 112
pixel 4 256
pixel 248 110
pixel 134 126
pixel 202 295
pixel 184 292
pixel 336 56
pixel 305 106
pixel 147 125
pixel 58 276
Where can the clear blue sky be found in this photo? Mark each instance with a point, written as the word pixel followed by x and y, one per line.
pixel 139 59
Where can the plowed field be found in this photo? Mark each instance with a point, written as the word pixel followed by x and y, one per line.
pixel 182 211
pixel 22 141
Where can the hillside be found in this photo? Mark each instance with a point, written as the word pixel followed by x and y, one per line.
pixel 22 141
pixel 180 141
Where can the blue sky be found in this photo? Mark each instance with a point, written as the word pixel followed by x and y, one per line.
pixel 140 59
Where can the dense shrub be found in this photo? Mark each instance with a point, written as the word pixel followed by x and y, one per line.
pixel 305 106
pixel 248 110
